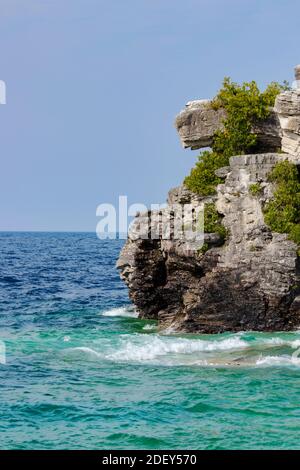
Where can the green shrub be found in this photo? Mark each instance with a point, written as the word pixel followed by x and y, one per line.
pixel 284 172
pixel 212 224
pixel 295 233
pixel 244 105
pixel 204 248
pixel 282 214
pixel 202 179
pixel 255 189
pixel 213 221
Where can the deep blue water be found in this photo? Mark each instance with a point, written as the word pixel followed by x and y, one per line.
pixel 83 372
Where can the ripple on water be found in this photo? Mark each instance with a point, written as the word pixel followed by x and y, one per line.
pixel 83 372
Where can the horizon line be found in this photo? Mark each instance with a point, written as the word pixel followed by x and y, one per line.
pixel 56 231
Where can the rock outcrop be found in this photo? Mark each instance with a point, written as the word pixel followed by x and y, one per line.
pixel 198 122
pixel 288 108
pixel 252 282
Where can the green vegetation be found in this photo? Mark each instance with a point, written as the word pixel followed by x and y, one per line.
pixel 213 221
pixel 282 214
pixel 212 224
pixel 204 248
pixel 202 179
pixel 244 105
pixel 255 189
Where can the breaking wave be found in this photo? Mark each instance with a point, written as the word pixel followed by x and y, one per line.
pixel 149 327
pixel 171 351
pixel 278 361
pixel 218 351
pixel 127 312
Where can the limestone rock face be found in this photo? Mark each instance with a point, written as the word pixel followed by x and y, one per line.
pixel 287 107
pixel 198 122
pixel 251 282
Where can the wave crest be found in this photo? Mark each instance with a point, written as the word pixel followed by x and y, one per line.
pixel 240 349
pixel 127 312
pixel 155 347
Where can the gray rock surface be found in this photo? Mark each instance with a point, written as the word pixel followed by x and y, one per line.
pixel 198 122
pixel 252 282
pixel 287 107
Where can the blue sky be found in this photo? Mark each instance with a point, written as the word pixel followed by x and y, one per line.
pixel 93 88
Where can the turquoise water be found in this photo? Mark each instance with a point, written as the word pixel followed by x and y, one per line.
pixel 82 372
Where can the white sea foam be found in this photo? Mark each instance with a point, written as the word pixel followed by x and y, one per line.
pixel 158 349
pixel 170 330
pixel 236 350
pixel 154 347
pixel 149 327
pixel 281 342
pixel 127 312
pixel 278 361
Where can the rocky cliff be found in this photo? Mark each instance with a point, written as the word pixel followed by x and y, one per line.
pixel 250 282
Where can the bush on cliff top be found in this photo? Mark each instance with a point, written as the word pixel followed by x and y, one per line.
pixel 244 105
pixel 282 214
